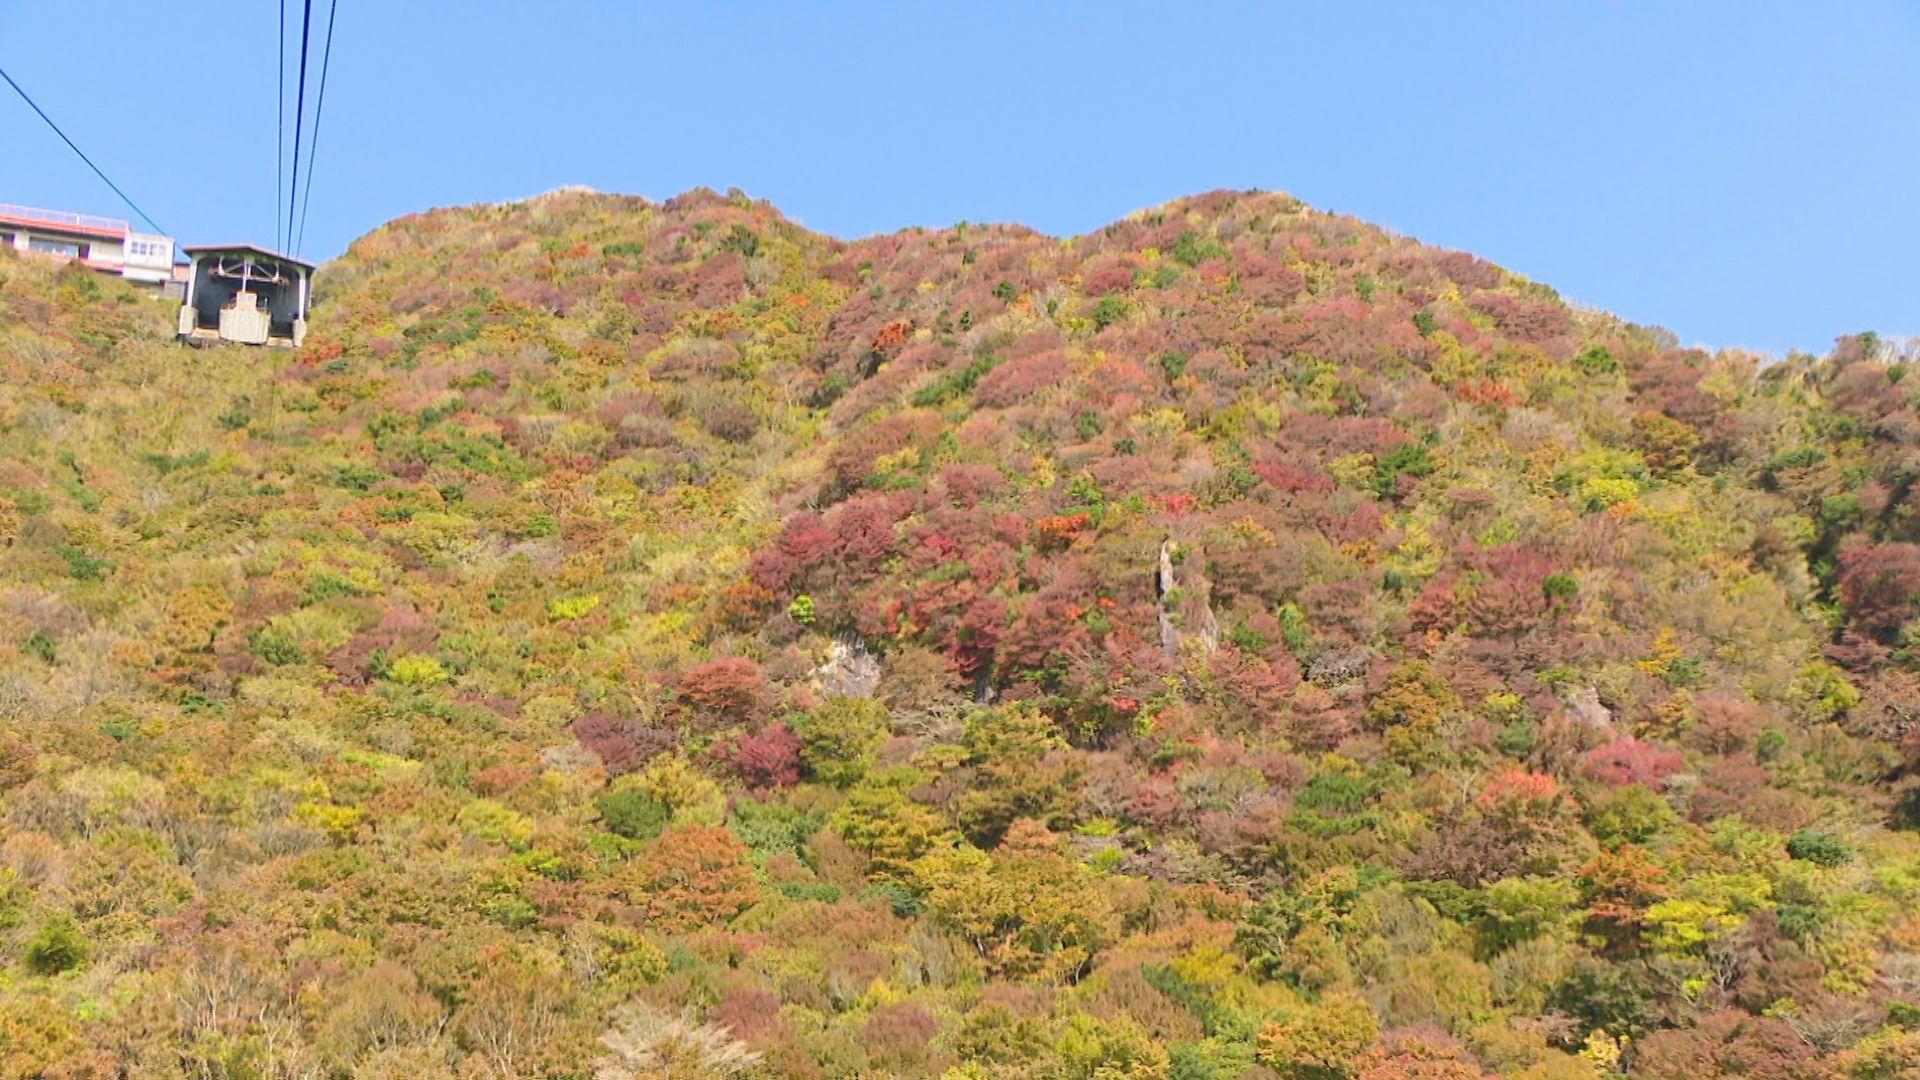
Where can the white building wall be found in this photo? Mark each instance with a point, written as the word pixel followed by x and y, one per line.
pixel 147 257
pixel 109 244
pixel 111 252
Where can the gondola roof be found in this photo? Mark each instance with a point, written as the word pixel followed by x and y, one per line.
pixel 256 249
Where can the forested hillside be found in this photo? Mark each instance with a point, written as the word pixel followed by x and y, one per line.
pixel 655 640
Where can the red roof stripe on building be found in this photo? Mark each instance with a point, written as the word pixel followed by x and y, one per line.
pixel 63 227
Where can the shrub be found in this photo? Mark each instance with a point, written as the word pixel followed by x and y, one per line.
pixel 1596 360
pixel 1880 586
pixel 84 565
pixel 1819 848
pixel 568 608
pixel 417 671
pixel 955 383
pixel 1028 909
pixel 689 876
pixel 631 813
pixel 1020 379
pixel 275 647
pixel 770 828
pixel 39 646
pixel 1629 815
pixel 770 757
pixel 1192 249
pixel 801 610
pixel 1726 1045
pixel 58 946
pixel 622 743
pixel 1631 761
pixel 838 738
pixel 1408 459
pixel 1321 1040
pixel 723 691
pixel 650 1042
pixel 17 761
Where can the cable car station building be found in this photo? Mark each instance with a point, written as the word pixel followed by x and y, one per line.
pixel 108 245
pixel 245 294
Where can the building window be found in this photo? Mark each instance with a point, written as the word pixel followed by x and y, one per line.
pixel 47 246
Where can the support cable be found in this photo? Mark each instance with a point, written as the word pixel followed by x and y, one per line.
pixel 300 107
pixel 83 157
pixel 280 130
pixel 319 110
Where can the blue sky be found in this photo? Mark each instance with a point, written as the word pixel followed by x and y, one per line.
pixel 1743 174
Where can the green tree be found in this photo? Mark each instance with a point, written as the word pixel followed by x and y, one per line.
pixel 840 736
pixel 1027 909
pixel 58 946
pixel 1022 768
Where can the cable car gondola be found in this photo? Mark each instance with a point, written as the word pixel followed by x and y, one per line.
pixel 245 294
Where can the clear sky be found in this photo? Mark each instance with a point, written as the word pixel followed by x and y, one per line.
pixel 1741 173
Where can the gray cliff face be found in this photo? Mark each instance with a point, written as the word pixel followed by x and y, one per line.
pixel 849 671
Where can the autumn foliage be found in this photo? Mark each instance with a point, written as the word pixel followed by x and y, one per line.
pixel 654 639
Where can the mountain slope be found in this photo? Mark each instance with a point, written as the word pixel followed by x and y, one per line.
pixel 1237 642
